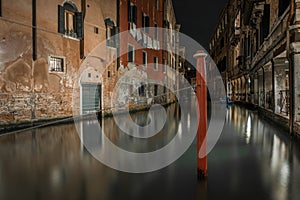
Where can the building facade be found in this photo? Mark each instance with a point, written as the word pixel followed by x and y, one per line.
pixel 146 46
pixel 60 58
pixel 256 47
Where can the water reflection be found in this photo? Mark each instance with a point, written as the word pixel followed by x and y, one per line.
pixel 51 163
pixel 260 160
pixel 253 159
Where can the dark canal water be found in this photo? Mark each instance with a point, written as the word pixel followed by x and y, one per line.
pixel 253 159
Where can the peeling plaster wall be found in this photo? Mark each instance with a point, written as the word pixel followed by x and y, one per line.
pixel 28 90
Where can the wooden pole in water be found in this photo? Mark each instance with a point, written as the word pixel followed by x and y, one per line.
pixel 202 111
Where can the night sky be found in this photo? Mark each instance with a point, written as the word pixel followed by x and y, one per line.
pixel 198 18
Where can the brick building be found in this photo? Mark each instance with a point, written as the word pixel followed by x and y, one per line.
pixel 60 58
pixel 147 47
pixel 43 44
pixel 256 48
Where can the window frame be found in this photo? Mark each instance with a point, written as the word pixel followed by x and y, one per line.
pixel 64 12
pixel 155 31
pixel 155 66
pixel 145 22
pixel 164 67
pixel 141 90
pixel 145 59
pixel 133 53
pixel 63 59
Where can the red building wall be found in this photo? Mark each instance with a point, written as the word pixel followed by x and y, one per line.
pixel 155 16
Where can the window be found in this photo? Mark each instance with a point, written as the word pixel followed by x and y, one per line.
pixel 111 30
pixel 156 4
pixel 145 22
pixel 132 13
pixel 96 30
pixel 70 21
pixel 144 58
pixel 155 31
pixel 283 5
pixel 108 74
pixel 155 63
pixel 130 53
pixel 142 90
pixel 155 90
pixel 265 23
pixel 56 64
pixel 164 66
pixel 0 8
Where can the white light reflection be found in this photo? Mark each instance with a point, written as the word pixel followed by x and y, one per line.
pixel 248 129
pixel 56 178
pixel 179 131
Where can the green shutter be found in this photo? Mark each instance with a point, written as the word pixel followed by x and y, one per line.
pixel 79 24
pixel 61 19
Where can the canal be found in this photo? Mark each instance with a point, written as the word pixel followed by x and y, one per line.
pixel 253 159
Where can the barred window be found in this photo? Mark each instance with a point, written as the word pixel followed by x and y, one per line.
pixel 56 64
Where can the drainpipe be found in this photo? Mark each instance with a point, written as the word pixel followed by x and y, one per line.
pixel 118 25
pixel 81 45
pixel 34 56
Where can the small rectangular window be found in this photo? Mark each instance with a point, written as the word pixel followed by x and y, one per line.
pixel 155 90
pixel 155 63
pixel 164 66
pixel 0 8
pixel 156 4
pixel 142 90
pixel 144 58
pixel 155 31
pixel 56 64
pixel 130 53
pixel 96 30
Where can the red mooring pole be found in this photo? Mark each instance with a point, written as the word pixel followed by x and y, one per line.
pixel 202 106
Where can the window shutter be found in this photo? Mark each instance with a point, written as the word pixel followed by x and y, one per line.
pixel 134 15
pixel 79 25
pixel 61 19
pixel 143 20
pixel 129 11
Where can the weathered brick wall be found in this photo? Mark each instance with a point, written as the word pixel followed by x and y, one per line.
pixel 26 106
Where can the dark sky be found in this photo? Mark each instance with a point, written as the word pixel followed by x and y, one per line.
pixel 198 18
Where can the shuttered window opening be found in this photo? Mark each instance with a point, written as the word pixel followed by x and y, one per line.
pixel 132 13
pixel 91 97
pixel 70 21
pixel 112 33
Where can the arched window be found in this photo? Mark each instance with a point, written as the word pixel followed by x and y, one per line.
pixel 70 21
pixel 112 32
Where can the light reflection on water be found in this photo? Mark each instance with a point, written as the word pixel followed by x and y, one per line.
pixel 252 160
pixel 259 158
pixel 51 163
